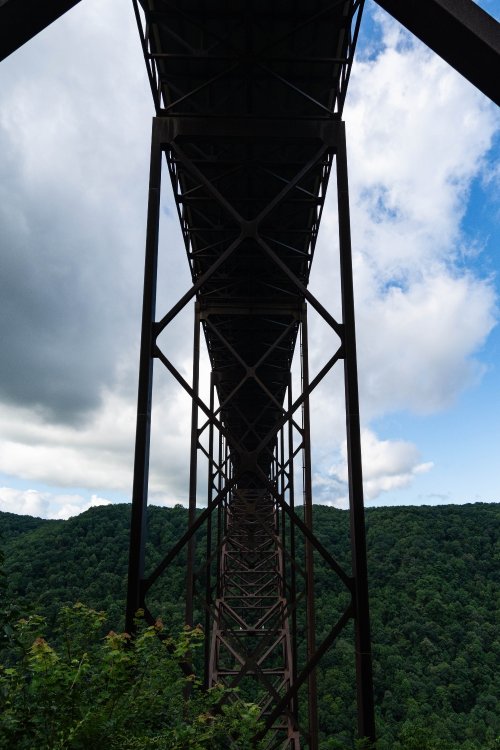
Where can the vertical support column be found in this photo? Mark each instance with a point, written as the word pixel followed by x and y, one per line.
pixel 308 520
pixel 209 547
pixel 229 474
pixel 144 398
pixel 364 681
pixel 282 490
pixel 220 511
pixel 293 575
pixel 193 467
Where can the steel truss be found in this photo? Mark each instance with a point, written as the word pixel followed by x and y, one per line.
pixel 249 98
pixel 249 123
pixel 253 587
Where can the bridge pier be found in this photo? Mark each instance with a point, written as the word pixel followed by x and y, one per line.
pixel 252 590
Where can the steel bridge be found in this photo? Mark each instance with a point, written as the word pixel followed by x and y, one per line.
pixel 249 99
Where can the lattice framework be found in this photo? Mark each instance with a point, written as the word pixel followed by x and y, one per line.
pixel 249 183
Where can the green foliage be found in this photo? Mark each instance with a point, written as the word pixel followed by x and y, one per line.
pixel 111 692
pixel 434 582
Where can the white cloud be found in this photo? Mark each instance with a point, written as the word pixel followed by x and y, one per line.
pixel 23 502
pixel 66 506
pixel 417 345
pixel 100 453
pixel 74 129
pixel 387 465
pixel 46 504
pixel 417 136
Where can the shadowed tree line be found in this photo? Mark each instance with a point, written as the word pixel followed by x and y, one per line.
pixel 434 579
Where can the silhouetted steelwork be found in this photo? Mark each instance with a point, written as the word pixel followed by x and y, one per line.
pixel 248 100
pixel 249 105
pixel 20 20
pixel 460 32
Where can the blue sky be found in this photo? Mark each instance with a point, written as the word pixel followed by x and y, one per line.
pixel 424 173
pixel 462 440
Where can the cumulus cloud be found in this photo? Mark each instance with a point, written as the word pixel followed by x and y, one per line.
pixel 46 504
pixel 72 200
pixel 418 135
pixel 100 453
pixel 418 344
pixel 387 465
pixel 23 502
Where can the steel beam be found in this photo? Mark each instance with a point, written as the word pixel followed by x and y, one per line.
pixel 20 20
pixel 309 550
pixel 193 470
pixel 252 590
pixel 364 682
pixel 135 594
pixel 460 32
pixel 251 133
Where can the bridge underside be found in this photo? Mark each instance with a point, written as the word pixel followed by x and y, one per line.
pixel 249 97
pixel 462 33
pixel 248 105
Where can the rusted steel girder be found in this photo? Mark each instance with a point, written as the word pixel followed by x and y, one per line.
pixel 249 104
pixel 250 641
pixel 250 433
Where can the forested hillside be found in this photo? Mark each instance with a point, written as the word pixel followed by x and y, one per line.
pixel 434 580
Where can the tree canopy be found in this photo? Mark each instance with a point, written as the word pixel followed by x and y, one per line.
pixel 434 582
